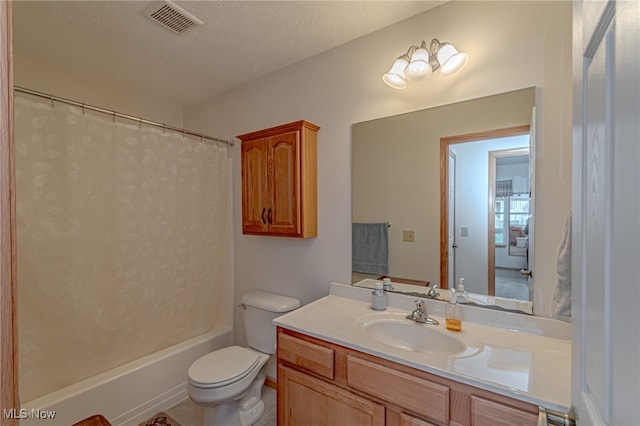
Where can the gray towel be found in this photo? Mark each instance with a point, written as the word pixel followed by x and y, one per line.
pixel 561 300
pixel 370 248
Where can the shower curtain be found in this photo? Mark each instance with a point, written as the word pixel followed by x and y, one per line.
pixel 122 241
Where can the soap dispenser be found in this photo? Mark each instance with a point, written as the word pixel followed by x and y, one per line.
pixel 462 295
pixel 386 284
pixel 453 313
pixel 379 297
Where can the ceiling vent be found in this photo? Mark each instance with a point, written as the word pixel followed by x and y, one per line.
pixel 171 16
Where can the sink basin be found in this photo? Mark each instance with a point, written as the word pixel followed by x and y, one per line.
pixel 393 329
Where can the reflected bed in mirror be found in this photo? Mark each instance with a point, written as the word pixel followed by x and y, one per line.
pixel 446 224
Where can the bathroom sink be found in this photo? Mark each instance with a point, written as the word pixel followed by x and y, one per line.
pixel 393 329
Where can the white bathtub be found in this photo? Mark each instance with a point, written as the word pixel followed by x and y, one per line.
pixel 131 393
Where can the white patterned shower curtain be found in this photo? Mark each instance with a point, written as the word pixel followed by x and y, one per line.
pixel 122 241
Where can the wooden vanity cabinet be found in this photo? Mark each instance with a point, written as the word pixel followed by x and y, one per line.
pixel 311 401
pixel 321 383
pixel 279 183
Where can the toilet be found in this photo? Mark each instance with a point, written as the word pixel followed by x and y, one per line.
pixel 228 382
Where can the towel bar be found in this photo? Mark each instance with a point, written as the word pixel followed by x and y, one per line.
pixel 555 418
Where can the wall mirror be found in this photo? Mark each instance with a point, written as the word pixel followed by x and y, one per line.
pixel 450 189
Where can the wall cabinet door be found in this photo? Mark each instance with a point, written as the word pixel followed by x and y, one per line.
pixel 254 186
pixel 309 401
pixel 279 183
pixel 283 215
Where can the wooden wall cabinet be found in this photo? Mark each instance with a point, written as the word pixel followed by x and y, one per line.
pixel 321 383
pixel 279 181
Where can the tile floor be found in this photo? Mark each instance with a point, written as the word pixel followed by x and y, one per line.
pixel 189 414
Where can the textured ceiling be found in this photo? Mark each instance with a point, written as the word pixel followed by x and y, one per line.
pixel 239 42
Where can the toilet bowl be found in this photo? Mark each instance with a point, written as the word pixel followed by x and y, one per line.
pixel 228 382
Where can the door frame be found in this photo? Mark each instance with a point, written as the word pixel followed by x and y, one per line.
pixel 445 143
pixel 451 216
pixel 9 398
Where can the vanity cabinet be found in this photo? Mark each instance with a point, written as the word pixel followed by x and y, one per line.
pixel 321 383
pixel 279 184
pixel 310 401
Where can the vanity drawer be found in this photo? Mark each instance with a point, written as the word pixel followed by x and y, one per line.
pixel 421 396
pixel 306 355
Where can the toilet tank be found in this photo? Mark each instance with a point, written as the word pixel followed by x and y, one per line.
pixel 260 309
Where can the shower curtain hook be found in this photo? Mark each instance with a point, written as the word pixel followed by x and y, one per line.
pixel 51 97
pixel 202 138
pixel 114 116
pixel 183 132
pixel 83 108
pixel 164 128
pixel 140 123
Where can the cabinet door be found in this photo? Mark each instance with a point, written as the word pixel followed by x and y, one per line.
pixel 254 186
pixel 309 401
pixel 284 187
pixel 409 420
pixel 490 413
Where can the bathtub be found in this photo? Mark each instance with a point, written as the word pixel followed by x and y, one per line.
pixel 129 394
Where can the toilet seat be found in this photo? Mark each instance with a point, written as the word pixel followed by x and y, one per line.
pixel 222 367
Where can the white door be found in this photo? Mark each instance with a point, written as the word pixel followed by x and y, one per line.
pixel 606 213
pixel 532 206
pixel 452 220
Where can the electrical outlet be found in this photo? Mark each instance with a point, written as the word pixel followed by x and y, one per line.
pixel 464 231
pixel 409 236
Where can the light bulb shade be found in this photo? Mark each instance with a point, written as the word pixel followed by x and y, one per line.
pixel 395 77
pixel 419 66
pixel 451 61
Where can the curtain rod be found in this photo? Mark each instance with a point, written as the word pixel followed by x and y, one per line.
pixel 115 114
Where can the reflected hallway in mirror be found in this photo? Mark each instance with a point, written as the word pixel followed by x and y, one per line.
pixel 476 210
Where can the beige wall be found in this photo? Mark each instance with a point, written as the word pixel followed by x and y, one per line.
pixel 40 76
pixel 512 45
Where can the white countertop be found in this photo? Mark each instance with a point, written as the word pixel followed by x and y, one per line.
pixel 530 367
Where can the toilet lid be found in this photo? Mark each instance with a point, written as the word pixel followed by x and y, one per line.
pixel 222 367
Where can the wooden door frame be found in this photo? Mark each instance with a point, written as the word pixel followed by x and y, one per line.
pixel 9 398
pixel 491 263
pixel 445 142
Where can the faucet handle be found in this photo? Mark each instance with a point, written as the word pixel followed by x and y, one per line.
pixel 420 305
pixel 432 293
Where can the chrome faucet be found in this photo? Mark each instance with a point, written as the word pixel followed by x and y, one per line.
pixel 432 293
pixel 420 314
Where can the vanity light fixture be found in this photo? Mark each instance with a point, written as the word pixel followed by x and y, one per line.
pixel 419 62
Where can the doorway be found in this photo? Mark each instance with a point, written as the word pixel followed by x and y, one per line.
pixel 509 214
pixel 464 218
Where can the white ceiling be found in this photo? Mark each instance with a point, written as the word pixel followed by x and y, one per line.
pixel 240 41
